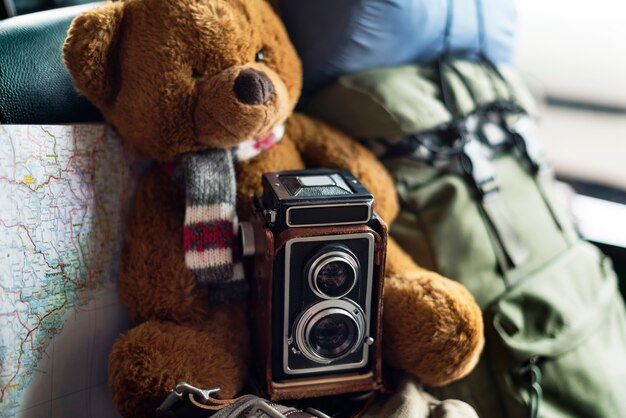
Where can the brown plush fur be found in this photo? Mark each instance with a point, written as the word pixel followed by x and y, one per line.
pixel 162 73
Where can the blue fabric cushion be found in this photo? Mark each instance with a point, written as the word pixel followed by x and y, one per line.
pixel 336 37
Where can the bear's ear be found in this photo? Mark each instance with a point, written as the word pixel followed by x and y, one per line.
pixel 89 51
pixel 275 5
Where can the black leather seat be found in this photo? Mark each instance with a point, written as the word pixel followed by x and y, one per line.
pixel 35 86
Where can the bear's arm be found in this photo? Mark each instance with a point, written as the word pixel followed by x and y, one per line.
pixel 324 146
pixel 155 282
pixel 432 325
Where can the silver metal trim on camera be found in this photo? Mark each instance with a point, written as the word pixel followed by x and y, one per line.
pixel 335 205
pixel 288 341
pixel 325 259
pixel 305 323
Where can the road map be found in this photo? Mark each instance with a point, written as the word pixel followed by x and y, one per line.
pixel 64 191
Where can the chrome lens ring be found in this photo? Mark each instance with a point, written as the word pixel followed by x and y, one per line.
pixel 325 260
pixel 346 310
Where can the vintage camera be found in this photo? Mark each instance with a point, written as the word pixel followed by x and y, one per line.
pixel 319 257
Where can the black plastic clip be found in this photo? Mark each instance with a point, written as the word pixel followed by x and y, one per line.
pixel 478 169
pixel 532 369
pixel 528 146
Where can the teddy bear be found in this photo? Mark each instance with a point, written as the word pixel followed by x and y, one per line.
pixel 206 89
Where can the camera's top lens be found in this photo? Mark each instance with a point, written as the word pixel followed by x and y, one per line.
pixel 333 274
pixel 335 278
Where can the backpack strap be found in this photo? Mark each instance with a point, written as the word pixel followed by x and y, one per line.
pixel 481 175
pixel 474 164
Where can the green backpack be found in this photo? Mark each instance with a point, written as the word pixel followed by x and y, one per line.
pixel 478 206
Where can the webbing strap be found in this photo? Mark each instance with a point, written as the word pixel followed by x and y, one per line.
pixel 532 155
pixel 481 174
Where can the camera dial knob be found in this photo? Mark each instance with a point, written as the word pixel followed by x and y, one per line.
pixel 246 232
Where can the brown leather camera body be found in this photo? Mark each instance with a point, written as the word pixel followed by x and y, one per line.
pixel 265 308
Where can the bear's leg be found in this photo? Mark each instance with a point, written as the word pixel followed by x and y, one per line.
pixel 149 360
pixel 432 327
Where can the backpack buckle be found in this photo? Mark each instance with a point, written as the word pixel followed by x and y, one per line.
pixel 481 174
pixel 530 149
pixel 477 167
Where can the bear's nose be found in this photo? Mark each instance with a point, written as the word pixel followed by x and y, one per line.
pixel 253 87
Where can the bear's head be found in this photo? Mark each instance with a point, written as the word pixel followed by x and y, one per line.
pixel 187 75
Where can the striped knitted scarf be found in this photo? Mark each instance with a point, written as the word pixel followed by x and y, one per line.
pixel 210 231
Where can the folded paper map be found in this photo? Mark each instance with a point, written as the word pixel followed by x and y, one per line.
pixel 64 191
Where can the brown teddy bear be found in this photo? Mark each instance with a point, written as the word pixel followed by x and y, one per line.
pixel 208 85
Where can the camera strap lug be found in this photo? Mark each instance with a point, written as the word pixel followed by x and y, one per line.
pixel 179 393
pixel 271 216
pixel 189 401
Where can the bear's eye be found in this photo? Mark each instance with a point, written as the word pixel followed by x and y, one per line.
pixel 260 55
pixel 195 73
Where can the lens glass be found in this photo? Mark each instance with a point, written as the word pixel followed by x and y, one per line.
pixel 335 278
pixel 333 335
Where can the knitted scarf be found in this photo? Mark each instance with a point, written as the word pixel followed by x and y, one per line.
pixel 211 225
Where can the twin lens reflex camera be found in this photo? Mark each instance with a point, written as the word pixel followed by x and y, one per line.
pixel 319 256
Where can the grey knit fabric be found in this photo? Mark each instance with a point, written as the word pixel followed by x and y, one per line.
pixel 211 223
pixel 209 177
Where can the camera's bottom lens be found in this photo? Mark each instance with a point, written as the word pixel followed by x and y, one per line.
pixel 330 330
pixel 332 335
